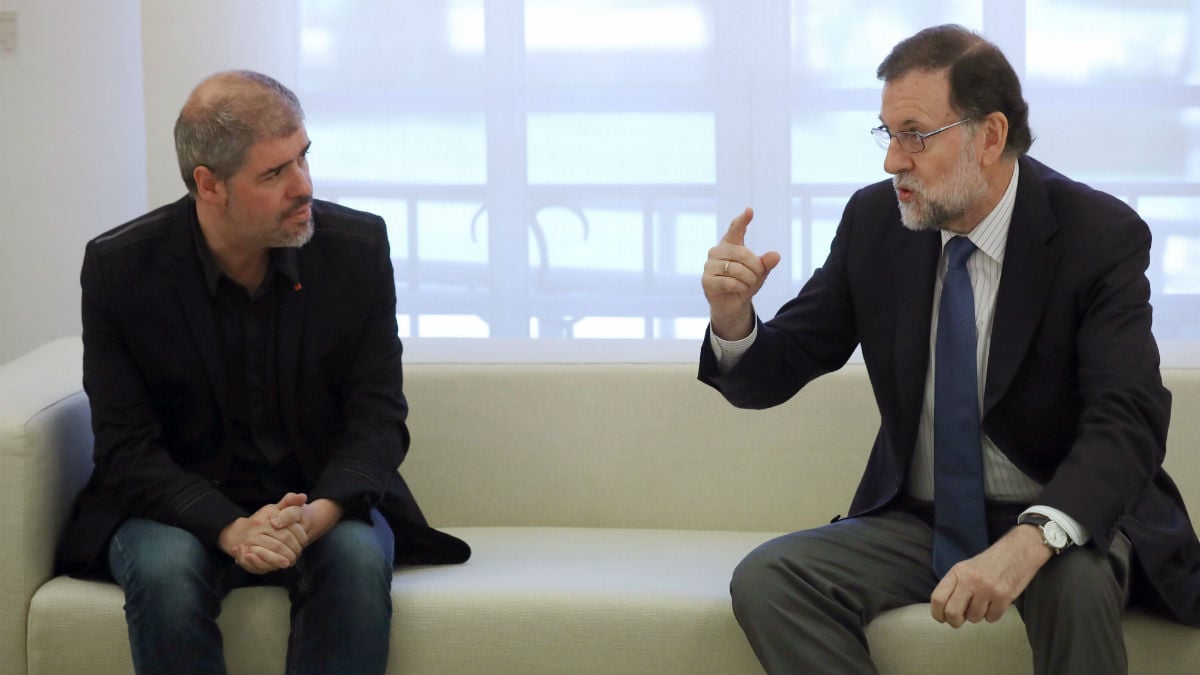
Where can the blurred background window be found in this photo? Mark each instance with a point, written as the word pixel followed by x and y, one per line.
pixel 553 172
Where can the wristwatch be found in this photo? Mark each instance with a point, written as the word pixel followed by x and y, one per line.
pixel 1053 534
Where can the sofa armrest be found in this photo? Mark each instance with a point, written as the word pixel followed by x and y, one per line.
pixel 45 458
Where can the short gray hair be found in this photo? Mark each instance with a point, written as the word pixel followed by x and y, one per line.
pixel 227 114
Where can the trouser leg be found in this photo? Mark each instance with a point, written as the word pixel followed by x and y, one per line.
pixel 173 589
pixel 1073 611
pixel 342 601
pixel 804 599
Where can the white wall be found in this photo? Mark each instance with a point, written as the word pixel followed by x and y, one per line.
pixel 72 155
pixel 185 42
pixel 87 106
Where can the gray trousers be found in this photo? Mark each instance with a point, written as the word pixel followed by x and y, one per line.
pixel 804 599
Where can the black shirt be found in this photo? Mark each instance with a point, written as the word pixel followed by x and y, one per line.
pixel 263 466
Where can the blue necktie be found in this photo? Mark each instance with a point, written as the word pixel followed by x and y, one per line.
pixel 960 525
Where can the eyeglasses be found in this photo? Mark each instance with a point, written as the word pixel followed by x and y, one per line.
pixel 910 141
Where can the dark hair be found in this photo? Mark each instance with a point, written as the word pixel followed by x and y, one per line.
pixel 226 115
pixel 981 79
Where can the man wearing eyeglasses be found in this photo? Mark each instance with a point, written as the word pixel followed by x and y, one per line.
pixel 1003 315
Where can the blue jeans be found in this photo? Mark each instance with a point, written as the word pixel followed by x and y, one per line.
pixel 340 589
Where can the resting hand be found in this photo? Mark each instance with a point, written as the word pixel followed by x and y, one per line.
pixel 733 274
pixel 984 586
pixel 316 518
pixel 271 539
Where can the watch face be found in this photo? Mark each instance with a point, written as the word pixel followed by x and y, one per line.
pixel 1055 535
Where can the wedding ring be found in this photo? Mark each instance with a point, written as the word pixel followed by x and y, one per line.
pixel 725 272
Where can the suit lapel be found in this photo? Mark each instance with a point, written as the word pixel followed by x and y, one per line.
pixel 915 269
pixel 187 278
pixel 1029 267
pixel 289 332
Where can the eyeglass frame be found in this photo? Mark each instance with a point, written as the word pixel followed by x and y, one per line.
pixel 877 134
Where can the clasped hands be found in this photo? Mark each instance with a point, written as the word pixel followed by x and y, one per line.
pixel 274 536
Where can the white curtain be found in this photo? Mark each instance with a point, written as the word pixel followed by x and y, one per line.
pixel 554 171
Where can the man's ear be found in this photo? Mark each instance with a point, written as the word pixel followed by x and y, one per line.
pixel 993 130
pixel 209 188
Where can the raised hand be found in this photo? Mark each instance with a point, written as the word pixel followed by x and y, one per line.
pixel 733 274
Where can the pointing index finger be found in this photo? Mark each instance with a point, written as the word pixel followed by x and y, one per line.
pixel 736 234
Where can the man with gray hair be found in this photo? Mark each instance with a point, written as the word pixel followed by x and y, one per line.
pixel 243 367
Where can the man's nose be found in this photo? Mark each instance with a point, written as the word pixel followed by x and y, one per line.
pixel 896 159
pixel 301 182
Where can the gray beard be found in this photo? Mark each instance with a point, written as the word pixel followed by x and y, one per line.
pixel 296 240
pixel 935 217
pixel 960 195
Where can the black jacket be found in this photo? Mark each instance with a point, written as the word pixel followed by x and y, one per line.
pixel 153 373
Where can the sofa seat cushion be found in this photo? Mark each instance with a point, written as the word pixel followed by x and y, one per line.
pixel 530 600
pixel 578 600
pixel 560 600
pixel 903 641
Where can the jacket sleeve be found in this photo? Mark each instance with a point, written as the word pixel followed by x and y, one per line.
pixel 130 460
pixel 373 436
pixel 1120 437
pixel 812 334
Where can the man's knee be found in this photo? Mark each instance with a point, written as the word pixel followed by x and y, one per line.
pixel 153 555
pixel 762 574
pixel 1072 611
pixel 347 573
pixel 1081 579
pixel 353 550
pixel 166 573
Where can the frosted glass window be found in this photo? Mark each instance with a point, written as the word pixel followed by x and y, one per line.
pixel 839 44
pixel 1081 43
pixel 621 148
pixel 615 25
pixel 398 148
pixel 553 172
pixel 836 147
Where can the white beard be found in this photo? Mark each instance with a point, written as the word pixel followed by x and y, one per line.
pixel 937 208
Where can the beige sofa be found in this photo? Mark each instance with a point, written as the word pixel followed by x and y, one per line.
pixel 606 504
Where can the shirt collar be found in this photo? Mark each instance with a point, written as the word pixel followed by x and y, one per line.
pixel 991 234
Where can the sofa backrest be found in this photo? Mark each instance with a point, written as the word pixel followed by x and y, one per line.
pixel 628 445
pixel 604 445
pixel 647 445
pixel 1183 438
pixel 45 457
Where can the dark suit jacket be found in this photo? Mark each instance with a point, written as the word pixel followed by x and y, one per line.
pixel 153 373
pixel 1073 393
